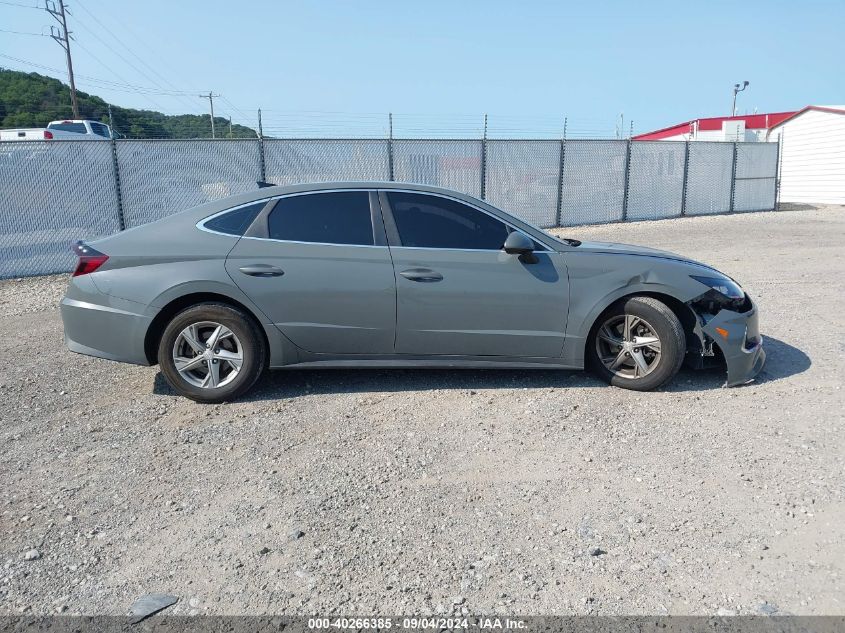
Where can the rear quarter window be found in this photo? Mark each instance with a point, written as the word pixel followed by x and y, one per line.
pixel 236 221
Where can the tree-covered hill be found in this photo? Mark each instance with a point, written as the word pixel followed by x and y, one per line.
pixel 33 100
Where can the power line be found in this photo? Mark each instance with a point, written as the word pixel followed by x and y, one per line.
pixel 126 61
pixel 106 83
pixel 24 33
pixel 136 56
pixel 111 70
pixel 235 108
pixel 122 43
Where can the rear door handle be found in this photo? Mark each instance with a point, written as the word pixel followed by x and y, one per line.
pixel 262 270
pixel 421 274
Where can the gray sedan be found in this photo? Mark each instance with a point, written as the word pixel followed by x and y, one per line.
pixel 393 275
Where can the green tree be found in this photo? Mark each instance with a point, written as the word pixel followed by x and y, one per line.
pixel 33 100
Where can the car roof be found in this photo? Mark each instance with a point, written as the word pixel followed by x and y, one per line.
pixel 192 216
pixel 277 190
pixel 260 193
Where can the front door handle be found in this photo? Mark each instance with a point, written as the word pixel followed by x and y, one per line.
pixel 421 274
pixel 262 270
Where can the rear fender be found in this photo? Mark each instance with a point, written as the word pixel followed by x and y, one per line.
pixel 282 350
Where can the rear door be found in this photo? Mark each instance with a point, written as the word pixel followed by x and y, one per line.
pixel 321 271
pixel 459 293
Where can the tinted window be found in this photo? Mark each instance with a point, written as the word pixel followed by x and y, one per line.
pixel 100 129
pixel 433 222
pixel 341 217
pixel 69 127
pixel 237 221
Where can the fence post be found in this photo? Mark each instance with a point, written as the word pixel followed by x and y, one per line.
pixel 121 220
pixel 484 160
pixel 778 170
pixel 733 179
pixel 262 169
pixel 627 180
pixel 559 211
pixel 685 181
pixel 390 147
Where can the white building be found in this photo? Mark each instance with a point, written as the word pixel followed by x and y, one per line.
pixel 812 168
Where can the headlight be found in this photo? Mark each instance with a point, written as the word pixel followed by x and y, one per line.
pixel 722 285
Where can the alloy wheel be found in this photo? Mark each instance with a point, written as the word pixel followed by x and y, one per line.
pixel 628 346
pixel 208 354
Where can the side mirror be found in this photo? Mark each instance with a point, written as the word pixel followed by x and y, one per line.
pixel 519 243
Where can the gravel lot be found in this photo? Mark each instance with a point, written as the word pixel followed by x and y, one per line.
pixel 411 492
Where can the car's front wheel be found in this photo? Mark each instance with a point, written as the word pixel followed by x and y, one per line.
pixel 638 343
pixel 212 352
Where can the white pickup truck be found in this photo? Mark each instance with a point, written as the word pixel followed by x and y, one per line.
pixel 68 130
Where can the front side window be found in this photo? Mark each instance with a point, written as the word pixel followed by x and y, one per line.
pixel 434 222
pixel 335 217
pixel 237 221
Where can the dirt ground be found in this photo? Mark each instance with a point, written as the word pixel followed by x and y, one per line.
pixel 420 492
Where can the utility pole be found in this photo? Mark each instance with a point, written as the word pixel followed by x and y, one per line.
pixel 62 36
pixel 210 98
pixel 737 88
pixel 230 126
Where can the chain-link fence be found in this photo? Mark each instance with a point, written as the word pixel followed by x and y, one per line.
pixel 55 192
pixel 160 177
pixel 52 194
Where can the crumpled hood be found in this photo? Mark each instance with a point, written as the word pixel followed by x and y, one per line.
pixel 614 248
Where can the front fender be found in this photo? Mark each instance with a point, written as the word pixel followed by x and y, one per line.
pixel 597 280
pixel 585 316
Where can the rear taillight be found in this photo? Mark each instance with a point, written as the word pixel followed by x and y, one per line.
pixel 89 259
pixel 48 134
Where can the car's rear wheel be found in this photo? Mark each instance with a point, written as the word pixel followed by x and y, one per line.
pixel 212 352
pixel 638 343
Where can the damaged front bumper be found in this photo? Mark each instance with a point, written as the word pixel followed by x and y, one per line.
pixel 737 335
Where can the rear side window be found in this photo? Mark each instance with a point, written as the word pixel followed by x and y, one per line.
pixel 69 127
pixel 337 217
pixel 237 221
pixel 435 222
pixel 100 130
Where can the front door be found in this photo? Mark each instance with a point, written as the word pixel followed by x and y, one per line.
pixel 459 293
pixel 323 275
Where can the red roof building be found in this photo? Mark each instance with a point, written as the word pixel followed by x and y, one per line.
pixel 747 127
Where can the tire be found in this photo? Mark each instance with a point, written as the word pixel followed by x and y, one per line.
pixel 239 357
pixel 622 350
